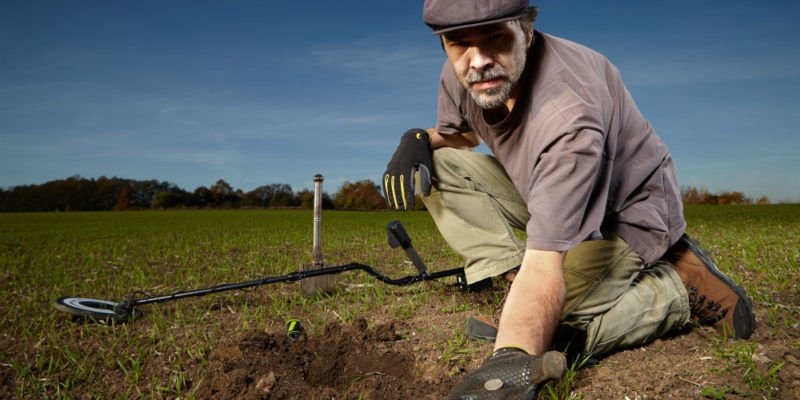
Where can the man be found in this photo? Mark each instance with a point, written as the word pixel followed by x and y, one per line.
pixel 579 168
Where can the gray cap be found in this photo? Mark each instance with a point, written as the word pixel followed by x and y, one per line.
pixel 447 15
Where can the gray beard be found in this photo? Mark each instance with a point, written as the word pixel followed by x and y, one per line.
pixel 495 97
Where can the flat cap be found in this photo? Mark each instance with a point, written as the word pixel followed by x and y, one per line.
pixel 447 15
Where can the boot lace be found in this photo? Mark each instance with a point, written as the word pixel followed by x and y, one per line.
pixel 705 311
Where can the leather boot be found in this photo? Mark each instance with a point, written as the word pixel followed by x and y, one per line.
pixel 714 298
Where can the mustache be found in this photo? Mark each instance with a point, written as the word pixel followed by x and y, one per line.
pixel 496 72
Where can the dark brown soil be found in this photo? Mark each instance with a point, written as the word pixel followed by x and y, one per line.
pixel 342 362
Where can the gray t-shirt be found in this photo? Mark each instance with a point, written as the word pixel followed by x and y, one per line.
pixel 578 150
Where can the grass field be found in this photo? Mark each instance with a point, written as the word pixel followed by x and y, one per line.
pixel 114 255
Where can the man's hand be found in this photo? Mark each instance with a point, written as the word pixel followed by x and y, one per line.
pixel 413 154
pixel 510 373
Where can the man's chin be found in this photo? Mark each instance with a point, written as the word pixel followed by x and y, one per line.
pixel 492 98
pixel 488 102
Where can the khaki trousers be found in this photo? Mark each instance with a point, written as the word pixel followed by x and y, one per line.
pixel 612 295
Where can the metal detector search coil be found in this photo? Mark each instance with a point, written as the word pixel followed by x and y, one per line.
pixel 101 310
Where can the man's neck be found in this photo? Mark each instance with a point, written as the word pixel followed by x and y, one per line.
pixel 512 98
pixel 510 104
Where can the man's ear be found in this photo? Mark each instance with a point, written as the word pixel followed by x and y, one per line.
pixel 529 39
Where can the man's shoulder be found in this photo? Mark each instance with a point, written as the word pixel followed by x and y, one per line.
pixel 559 44
pixel 571 87
pixel 561 54
pixel 576 68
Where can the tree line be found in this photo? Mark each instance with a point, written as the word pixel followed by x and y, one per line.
pixel 693 195
pixel 80 194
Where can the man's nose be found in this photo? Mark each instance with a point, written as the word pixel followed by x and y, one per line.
pixel 481 58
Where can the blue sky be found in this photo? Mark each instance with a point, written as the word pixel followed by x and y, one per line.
pixel 257 93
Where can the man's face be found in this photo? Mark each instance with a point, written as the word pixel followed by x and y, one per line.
pixel 488 60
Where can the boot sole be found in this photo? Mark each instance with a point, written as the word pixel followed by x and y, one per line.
pixel 479 330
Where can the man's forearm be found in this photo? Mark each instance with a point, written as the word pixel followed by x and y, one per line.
pixel 467 139
pixel 534 303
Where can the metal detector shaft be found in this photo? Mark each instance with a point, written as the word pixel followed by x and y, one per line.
pixel 295 276
pixel 105 310
pixel 397 237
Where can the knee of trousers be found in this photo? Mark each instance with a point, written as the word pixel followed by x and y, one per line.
pixel 464 167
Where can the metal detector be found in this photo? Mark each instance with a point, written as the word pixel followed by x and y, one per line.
pixel 109 311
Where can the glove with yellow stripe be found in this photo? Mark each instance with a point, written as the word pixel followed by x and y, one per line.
pixel 413 154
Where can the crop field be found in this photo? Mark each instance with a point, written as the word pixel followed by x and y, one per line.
pixel 366 340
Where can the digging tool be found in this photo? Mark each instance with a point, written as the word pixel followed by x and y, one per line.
pixel 320 284
pixel 109 311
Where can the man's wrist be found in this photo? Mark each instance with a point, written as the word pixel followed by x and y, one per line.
pixel 509 350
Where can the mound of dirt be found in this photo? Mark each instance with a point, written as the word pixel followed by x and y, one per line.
pixel 353 361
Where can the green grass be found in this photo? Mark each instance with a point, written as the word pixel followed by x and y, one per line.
pixel 562 388
pixel 738 356
pixel 114 255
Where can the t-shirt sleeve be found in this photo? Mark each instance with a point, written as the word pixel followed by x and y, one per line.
pixel 568 191
pixel 452 96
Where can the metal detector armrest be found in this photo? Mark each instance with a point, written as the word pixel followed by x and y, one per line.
pixel 398 237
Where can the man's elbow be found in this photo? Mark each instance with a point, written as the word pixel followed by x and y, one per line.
pixel 472 139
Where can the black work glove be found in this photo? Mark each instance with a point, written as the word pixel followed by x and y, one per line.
pixel 510 373
pixel 413 153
